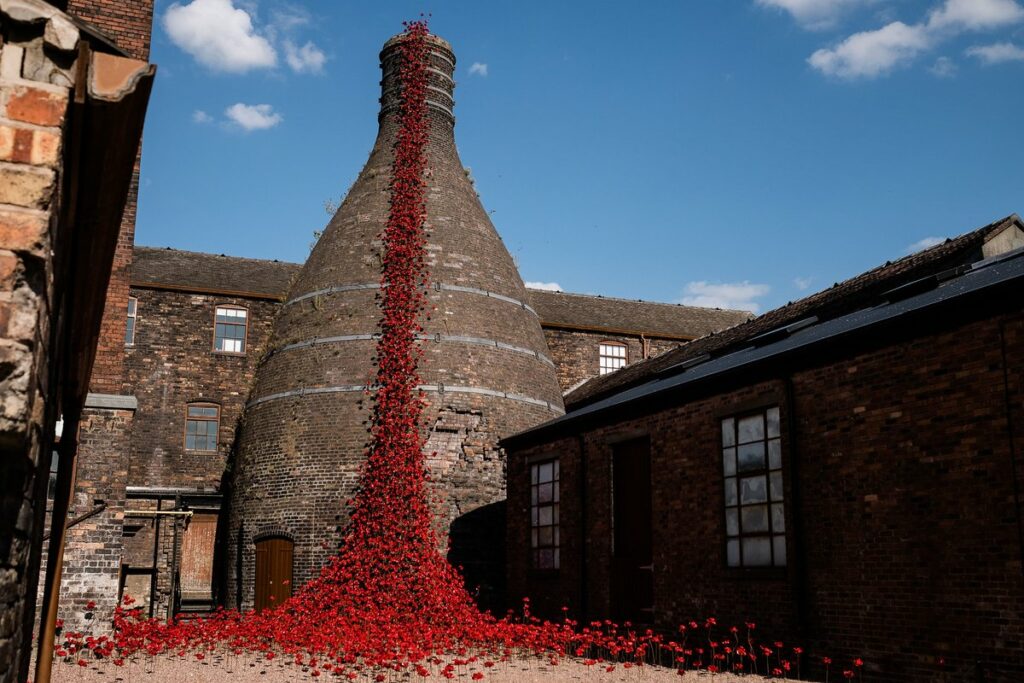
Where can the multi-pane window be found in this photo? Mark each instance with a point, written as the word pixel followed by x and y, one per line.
pixel 230 326
pixel 544 541
pixel 129 330
pixel 755 519
pixel 612 357
pixel 202 423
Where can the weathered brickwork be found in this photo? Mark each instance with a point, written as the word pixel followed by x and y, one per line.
pixel 31 120
pixel 902 510
pixel 576 352
pixel 128 22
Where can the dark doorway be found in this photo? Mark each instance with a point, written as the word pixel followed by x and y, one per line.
pixel 273 572
pixel 632 595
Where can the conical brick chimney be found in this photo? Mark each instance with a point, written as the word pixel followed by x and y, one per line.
pixel 485 372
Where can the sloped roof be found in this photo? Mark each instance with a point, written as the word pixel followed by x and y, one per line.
pixel 194 271
pixel 842 298
pixel 583 311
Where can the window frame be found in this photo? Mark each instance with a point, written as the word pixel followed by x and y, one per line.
pixel 215 420
pixel 554 504
pixel 132 316
pixel 772 497
pixel 601 356
pixel 245 334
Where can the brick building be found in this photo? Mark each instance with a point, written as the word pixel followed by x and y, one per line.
pixel 71 111
pixel 844 471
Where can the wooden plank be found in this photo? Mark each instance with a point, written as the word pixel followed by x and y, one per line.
pixel 196 573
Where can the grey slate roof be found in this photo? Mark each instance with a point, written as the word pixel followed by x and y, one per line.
pixel 195 271
pixel 840 299
pixel 585 311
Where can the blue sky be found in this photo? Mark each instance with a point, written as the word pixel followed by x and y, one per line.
pixel 741 153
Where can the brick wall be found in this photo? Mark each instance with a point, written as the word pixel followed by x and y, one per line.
pixel 903 513
pixel 31 119
pixel 575 352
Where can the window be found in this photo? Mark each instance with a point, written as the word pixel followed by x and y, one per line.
pixel 613 357
pixel 230 327
pixel 202 422
pixel 129 330
pixel 755 519
pixel 544 514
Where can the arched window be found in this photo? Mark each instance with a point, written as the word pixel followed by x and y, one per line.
pixel 273 571
pixel 229 329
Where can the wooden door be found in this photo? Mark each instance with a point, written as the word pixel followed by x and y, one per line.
pixel 632 595
pixel 273 572
pixel 196 573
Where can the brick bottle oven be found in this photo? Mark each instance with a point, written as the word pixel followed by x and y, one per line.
pixel 484 370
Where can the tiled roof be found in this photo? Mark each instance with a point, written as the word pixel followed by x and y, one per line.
pixel 582 311
pixel 194 271
pixel 844 297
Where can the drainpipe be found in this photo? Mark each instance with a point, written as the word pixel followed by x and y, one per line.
pixel 584 598
pixel 153 585
pixel 799 566
pixel 174 563
pixel 66 472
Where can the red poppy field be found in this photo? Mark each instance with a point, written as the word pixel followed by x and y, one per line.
pixel 388 607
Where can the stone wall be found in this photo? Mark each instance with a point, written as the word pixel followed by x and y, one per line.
pixel 32 116
pixel 903 513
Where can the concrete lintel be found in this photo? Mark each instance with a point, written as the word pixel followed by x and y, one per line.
pixel 111 402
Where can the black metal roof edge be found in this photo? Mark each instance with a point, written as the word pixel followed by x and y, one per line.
pixel 990 273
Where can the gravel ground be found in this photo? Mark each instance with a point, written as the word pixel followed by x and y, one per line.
pixel 219 669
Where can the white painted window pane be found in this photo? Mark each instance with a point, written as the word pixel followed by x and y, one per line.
pixel 751 428
pixel 132 303
pixel 780 550
pixel 546 473
pixel 754 519
pixel 533 473
pixel 774 454
pixel 753 490
pixel 775 482
pixel 555 514
pixel 732 522
pixel 729 432
pixel 555 488
pixel 533 495
pixel 773 421
pixel 545 559
pixel 544 536
pixel 757 552
pixel 555 465
pixel 730 491
pixel 778 517
pixel 533 515
pixel 732 552
pixel 557 561
pixel 751 456
pixel 533 538
pixel 729 461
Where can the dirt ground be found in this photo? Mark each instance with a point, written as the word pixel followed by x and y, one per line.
pixel 248 669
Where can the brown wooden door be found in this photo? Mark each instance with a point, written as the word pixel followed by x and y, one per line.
pixel 196 573
pixel 632 595
pixel 273 572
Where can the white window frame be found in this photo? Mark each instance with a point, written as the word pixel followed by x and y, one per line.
pixel 612 356
pixel 755 508
pixel 240 318
pixel 132 320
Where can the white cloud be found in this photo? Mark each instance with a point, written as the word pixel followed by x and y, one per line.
pixel 944 67
pixel 546 286
pixel 200 116
pixel 872 53
pixel 478 69
pixel 803 283
pixel 734 295
pixel 308 58
pixel 926 243
pixel 813 14
pixel 975 14
pixel 219 36
pixel 253 116
pixel 997 53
